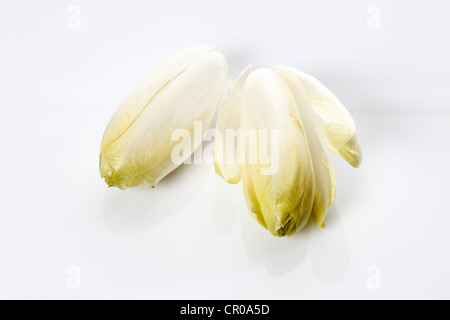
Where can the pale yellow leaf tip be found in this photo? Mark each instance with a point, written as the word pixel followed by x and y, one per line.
pixel 351 152
pixel 230 180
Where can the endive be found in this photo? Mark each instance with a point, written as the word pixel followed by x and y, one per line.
pixel 307 117
pixel 137 145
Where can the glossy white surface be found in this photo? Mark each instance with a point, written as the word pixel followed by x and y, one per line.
pixel 191 236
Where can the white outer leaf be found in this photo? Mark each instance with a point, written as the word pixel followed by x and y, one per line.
pixel 282 201
pixel 323 170
pixel 186 87
pixel 226 154
pixel 337 129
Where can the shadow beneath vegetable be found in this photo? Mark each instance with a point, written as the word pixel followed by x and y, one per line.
pixel 229 202
pixel 329 251
pixel 278 255
pixel 328 248
pixel 140 208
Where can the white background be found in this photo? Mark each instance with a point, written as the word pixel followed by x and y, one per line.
pixel 191 236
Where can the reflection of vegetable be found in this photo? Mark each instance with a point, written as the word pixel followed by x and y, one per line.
pixel 186 87
pixel 306 116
